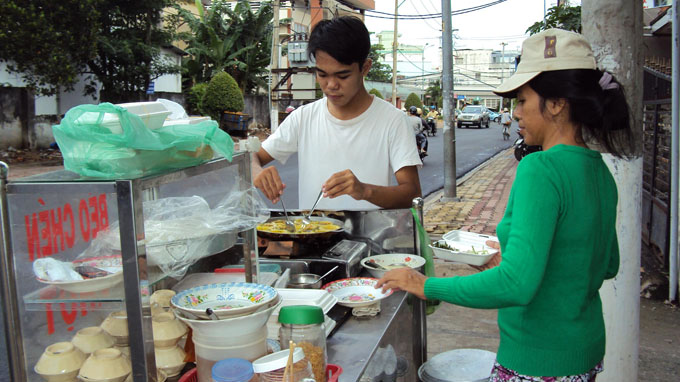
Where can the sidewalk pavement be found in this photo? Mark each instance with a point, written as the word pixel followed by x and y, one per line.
pixel 483 194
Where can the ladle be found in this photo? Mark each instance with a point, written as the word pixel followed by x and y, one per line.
pixel 306 219
pixel 290 226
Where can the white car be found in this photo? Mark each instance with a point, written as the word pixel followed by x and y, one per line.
pixel 473 115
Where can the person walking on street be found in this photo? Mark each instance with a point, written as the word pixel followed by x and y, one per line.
pixel 506 121
pixel 558 235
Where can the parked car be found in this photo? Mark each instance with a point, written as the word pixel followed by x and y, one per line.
pixel 496 117
pixel 474 115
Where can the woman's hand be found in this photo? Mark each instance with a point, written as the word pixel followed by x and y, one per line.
pixel 406 279
pixel 495 260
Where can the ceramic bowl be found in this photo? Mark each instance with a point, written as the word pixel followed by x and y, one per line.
pixel 92 338
pixel 109 365
pixel 389 261
pixel 123 349
pixel 109 263
pixel 60 362
pixel 160 376
pixel 162 298
pixel 116 326
pixel 167 329
pixel 225 299
pixel 231 326
pixel 170 360
pixel 356 291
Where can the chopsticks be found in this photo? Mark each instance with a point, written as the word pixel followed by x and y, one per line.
pixel 289 364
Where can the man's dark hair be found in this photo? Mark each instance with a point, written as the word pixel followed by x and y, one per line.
pixel 345 38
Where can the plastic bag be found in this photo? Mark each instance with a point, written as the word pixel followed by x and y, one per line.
pixel 428 255
pixel 178 231
pixel 92 146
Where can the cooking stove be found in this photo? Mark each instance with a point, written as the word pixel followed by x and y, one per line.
pixel 320 258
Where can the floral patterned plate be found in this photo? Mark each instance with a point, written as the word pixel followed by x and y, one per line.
pixel 227 300
pixel 356 291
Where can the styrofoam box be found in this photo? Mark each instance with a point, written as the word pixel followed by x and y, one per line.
pixel 466 243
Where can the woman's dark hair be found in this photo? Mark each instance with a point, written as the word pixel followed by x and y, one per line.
pixel 601 114
pixel 345 38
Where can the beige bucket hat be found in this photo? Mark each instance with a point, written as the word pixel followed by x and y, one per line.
pixel 551 49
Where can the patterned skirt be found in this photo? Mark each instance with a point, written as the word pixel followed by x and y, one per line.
pixel 502 374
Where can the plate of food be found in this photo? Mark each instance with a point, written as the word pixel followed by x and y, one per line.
pixel 98 273
pixel 226 300
pixel 464 247
pixel 356 291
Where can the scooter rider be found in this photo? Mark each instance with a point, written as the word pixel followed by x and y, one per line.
pixel 506 120
pixel 418 127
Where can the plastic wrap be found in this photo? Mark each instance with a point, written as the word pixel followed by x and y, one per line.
pixel 178 231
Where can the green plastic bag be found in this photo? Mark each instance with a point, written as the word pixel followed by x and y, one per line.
pixel 107 141
pixel 428 255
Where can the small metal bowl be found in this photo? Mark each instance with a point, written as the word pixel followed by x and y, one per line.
pixel 304 281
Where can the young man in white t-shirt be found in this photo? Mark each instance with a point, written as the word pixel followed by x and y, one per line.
pixel 349 142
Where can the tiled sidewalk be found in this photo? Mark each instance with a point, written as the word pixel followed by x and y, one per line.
pixel 483 195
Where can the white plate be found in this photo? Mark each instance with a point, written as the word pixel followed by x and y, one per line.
pixel 93 284
pixel 356 291
pixel 225 299
pixel 390 261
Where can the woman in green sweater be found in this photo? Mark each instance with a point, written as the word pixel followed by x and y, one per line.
pixel 558 234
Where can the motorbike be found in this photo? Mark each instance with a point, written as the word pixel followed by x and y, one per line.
pixel 432 126
pixel 522 149
pixel 421 142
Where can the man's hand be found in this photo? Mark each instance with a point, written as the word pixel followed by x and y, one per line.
pixel 345 183
pixel 267 179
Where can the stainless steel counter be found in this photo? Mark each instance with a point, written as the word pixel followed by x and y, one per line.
pixel 387 347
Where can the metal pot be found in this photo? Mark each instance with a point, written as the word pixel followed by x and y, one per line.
pixel 304 281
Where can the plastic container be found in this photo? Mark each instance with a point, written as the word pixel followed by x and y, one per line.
pixel 249 348
pixel 303 324
pixel 271 368
pixel 232 370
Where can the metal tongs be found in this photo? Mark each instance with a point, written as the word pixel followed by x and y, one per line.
pixel 306 219
pixel 290 226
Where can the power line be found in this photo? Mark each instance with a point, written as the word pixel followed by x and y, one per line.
pixel 385 15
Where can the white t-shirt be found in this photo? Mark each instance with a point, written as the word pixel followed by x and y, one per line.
pixel 505 118
pixel 373 145
pixel 416 124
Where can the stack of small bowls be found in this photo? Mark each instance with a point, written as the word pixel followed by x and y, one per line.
pixel 116 325
pixel 167 332
pixel 105 365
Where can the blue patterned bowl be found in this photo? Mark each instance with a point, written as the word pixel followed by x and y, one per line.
pixel 227 300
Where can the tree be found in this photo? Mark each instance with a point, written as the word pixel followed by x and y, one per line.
pixel 235 40
pixel 413 100
pixel 376 92
pixel 222 95
pixel 435 92
pixel 561 16
pixel 379 72
pixel 129 45
pixel 48 43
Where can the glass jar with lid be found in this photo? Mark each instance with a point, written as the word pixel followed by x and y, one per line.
pixel 303 324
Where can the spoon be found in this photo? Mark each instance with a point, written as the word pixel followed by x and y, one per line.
pixel 306 219
pixel 290 226
pixel 211 314
pixel 375 265
pixel 329 272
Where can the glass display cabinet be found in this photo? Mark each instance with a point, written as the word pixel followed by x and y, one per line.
pixel 62 216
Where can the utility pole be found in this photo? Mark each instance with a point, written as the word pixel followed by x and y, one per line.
pixel 614 29
pixel 273 77
pixel 394 55
pixel 503 44
pixel 449 112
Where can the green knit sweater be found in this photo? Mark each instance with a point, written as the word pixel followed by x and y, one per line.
pixel 558 242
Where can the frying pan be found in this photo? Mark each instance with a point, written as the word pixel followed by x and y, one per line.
pixel 302 237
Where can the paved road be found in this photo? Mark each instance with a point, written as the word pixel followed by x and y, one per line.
pixel 473 147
